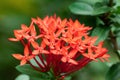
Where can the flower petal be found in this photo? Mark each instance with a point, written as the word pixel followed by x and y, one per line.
pixel 35 52
pixel 72 61
pixel 33 31
pixel 26 51
pixel 13 39
pixel 46 41
pixel 63 59
pixel 24 27
pixel 73 53
pixel 44 52
pixel 23 62
pixel 43 45
pixel 18 34
pixel 17 56
pixel 35 44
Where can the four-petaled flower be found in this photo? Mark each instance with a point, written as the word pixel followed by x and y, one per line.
pixel 24 58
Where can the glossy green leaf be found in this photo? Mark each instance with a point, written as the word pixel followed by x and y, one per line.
pixel 22 77
pixel 100 8
pixel 84 8
pixel 27 69
pixel 101 32
pixel 81 8
pixel 114 72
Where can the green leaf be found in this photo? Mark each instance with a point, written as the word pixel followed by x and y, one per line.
pixel 118 52
pixel 114 72
pixel 100 8
pixel 118 43
pixel 22 77
pixel 116 19
pixel 81 8
pixel 27 69
pixel 68 78
pixel 84 8
pixel 117 3
pixel 101 32
pixel 92 2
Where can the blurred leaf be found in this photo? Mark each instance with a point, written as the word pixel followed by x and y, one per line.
pixel 116 19
pixel 100 8
pixel 114 72
pixel 117 10
pixel 118 41
pixel 115 28
pixel 113 57
pixel 92 2
pixel 23 77
pixel 83 8
pixel 99 21
pixel 68 78
pixel 118 51
pixel 117 3
pixel 101 32
pixel 27 69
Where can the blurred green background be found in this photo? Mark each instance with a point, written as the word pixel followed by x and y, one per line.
pixel 13 13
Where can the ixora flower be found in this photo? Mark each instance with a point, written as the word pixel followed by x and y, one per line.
pixel 61 45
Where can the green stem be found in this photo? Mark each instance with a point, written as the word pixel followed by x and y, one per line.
pixel 114 42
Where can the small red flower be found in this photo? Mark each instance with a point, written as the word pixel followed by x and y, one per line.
pixel 24 58
pixel 39 49
pixel 61 45
pixel 19 33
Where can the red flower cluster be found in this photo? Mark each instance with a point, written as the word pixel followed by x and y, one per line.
pixel 61 45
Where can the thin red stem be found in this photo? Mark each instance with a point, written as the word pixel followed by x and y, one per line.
pixel 38 63
pixel 22 42
pixel 81 64
pixel 34 66
pixel 42 60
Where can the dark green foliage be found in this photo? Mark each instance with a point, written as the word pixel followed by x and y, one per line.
pixel 114 72
pixel 85 8
pixel 101 32
pixel 27 69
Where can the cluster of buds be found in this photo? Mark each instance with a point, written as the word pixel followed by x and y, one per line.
pixel 61 45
